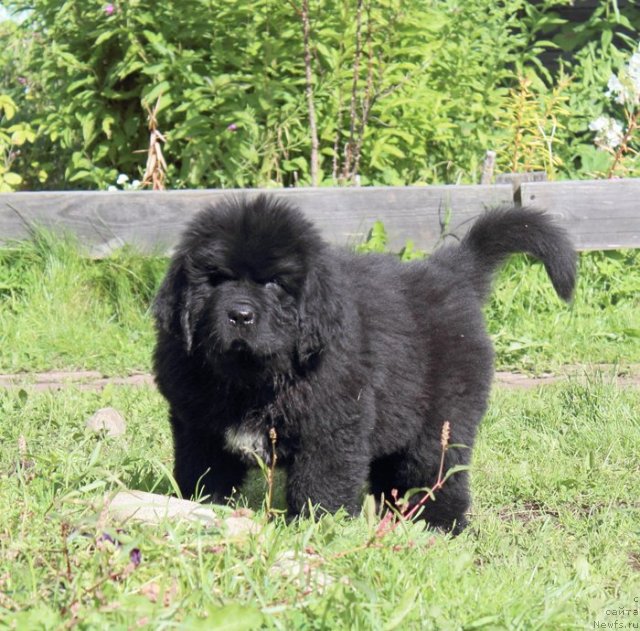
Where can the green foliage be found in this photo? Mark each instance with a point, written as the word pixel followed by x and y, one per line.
pixel 615 137
pixel 402 93
pixel 20 144
pixel 535 122
pixel 214 66
pixel 11 138
pixel 600 46
pixel 409 252
pixel 377 242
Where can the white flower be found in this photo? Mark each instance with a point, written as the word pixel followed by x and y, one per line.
pixel 609 132
pixel 135 184
pixel 123 178
pixel 112 188
pixel 634 70
pixel 616 89
pixel 625 87
pixel 599 124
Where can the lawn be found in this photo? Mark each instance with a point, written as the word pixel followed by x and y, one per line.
pixel 554 541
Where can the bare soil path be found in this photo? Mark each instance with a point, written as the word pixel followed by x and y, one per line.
pixel 96 381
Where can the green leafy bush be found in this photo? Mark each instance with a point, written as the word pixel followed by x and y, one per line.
pixel 601 47
pixel 403 92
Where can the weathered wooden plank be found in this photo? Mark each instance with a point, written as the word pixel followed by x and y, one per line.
pixel 599 214
pixel 152 221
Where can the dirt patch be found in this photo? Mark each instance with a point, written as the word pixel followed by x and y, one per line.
pixel 96 381
pixel 629 377
pixel 530 511
pixel 81 379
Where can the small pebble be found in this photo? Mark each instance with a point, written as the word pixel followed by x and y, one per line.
pixel 109 420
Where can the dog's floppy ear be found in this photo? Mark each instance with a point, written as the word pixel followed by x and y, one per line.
pixel 320 317
pixel 173 305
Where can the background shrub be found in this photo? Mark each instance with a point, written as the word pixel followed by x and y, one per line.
pixel 404 92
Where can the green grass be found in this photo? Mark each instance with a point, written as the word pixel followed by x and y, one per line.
pixel 60 310
pixel 554 541
pixel 534 330
pixel 555 535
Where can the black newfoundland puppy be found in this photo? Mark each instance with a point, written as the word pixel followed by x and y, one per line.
pixel 356 361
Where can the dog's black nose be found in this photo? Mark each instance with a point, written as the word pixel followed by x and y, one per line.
pixel 241 315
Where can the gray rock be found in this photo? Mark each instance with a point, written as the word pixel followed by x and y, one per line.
pixel 109 420
pixel 151 508
pixel 239 527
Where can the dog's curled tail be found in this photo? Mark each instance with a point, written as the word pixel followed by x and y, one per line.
pixel 501 232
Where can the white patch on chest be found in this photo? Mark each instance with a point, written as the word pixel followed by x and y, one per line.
pixel 246 442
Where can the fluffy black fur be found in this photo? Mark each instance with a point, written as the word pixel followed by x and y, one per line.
pixel 356 361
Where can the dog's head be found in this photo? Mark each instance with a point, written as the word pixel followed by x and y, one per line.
pixel 249 288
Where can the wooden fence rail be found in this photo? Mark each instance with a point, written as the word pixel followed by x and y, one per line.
pixel 598 214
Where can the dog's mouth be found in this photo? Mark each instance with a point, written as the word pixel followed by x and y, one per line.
pixel 249 357
pixel 242 356
pixel 240 346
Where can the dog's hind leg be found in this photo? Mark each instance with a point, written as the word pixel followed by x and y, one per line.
pixel 446 508
pixel 459 405
pixel 396 474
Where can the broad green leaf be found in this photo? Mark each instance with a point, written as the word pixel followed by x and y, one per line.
pixel 7 106
pixel 13 179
